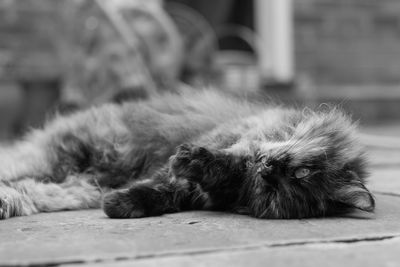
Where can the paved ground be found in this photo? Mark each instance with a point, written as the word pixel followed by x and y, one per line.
pixel 88 238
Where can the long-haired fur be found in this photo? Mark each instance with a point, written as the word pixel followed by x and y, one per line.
pixel 193 150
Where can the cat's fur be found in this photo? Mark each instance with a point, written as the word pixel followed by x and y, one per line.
pixel 194 150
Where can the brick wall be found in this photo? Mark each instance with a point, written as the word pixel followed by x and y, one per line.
pixel 348 41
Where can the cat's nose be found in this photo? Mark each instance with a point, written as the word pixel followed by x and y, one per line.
pixel 268 174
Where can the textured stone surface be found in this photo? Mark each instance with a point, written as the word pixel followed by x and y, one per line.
pixel 363 254
pixel 385 180
pixel 384 158
pixel 90 236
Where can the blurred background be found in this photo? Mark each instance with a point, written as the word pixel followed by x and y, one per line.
pixel 66 55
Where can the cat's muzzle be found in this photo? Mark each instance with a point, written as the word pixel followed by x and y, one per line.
pixel 265 171
pixel 268 172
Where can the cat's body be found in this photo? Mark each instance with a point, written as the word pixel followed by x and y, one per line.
pixel 269 162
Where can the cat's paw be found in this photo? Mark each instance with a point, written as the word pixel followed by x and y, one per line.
pixel 190 162
pixel 122 204
pixel 5 208
pixel 144 199
pixel 11 203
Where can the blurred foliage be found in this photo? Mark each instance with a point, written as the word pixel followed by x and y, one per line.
pixel 102 48
pixel 121 45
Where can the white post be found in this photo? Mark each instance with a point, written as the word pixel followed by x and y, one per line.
pixel 274 25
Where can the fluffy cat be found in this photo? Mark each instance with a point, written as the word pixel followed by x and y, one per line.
pixel 193 150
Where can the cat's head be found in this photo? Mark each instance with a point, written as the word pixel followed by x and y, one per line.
pixel 314 167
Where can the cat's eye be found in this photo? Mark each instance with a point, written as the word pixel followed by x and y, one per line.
pixel 301 173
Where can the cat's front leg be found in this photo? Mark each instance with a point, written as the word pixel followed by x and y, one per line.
pixel 149 197
pixel 219 174
pixel 195 178
pixel 162 193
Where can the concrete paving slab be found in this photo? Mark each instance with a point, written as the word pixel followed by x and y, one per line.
pixel 382 158
pixel 363 254
pixel 385 180
pixel 391 129
pixel 88 236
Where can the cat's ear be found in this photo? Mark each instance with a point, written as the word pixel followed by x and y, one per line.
pixel 356 195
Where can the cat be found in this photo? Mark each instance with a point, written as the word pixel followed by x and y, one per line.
pixel 191 150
